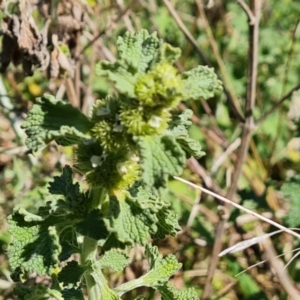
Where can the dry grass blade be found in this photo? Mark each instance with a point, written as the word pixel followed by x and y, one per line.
pixel 247 243
pixel 248 211
pixel 295 256
pixel 263 261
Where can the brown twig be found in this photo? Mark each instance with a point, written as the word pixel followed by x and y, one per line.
pixel 278 104
pixel 279 269
pixel 247 10
pixel 255 6
pixel 215 49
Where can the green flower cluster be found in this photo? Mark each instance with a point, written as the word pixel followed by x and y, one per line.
pixel 118 120
pixel 134 136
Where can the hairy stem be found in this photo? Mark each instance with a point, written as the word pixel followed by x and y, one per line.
pixel 90 250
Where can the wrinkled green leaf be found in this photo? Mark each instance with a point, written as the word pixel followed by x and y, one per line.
pixel 169 292
pixel 129 222
pixel 161 157
pixel 35 245
pixel 138 52
pixel 161 269
pixel 63 185
pixel 167 224
pixel 52 119
pixel 200 82
pixel 72 294
pixel 71 274
pixel 179 129
pixel 38 292
pixel 93 225
pixel 114 259
pixel 132 221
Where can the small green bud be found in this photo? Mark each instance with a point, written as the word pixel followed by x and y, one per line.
pixel 162 86
pixel 109 134
pixel 115 171
pixel 144 121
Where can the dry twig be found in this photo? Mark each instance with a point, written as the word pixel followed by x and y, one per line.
pixel 255 6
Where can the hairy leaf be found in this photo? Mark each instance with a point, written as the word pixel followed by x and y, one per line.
pixel 169 292
pixel 161 269
pixel 161 157
pixel 138 52
pixel 51 119
pixel 38 292
pixel 63 185
pixel 167 224
pixel 128 221
pixel 114 259
pixel 104 290
pixel 72 294
pixel 35 245
pixel 133 221
pixel 200 82
pixel 179 129
pixel 71 274
pixel 93 225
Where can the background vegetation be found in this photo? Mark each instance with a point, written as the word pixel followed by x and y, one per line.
pixel 252 148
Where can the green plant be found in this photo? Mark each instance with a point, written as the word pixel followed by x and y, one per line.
pixel 127 150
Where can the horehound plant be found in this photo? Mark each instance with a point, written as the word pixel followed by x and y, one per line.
pixel 127 149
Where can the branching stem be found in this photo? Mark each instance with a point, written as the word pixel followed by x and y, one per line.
pixel 255 6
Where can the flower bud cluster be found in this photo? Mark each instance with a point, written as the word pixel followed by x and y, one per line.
pixel 110 161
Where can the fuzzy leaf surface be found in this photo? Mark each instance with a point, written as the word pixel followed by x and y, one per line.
pixel 137 53
pixel 134 221
pixel 38 292
pixel 161 157
pixel 129 222
pixel 71 274
pixel 35 246
pixel 52 119
pixel 165 218
pixel 93 225
pixel 105 292
pixel 114 259
pixel 179 129
pixel 200 82
pixel 161 269
pixel 167 224
pixel 169 292
pixel 63 185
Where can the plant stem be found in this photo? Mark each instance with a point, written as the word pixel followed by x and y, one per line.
pixel 97 196
pixel 89 250
pixel 248 126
